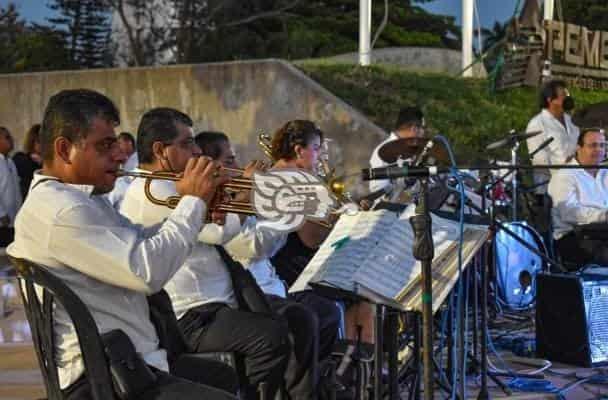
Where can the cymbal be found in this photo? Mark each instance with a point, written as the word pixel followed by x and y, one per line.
pixel 511 139
pixel 410 147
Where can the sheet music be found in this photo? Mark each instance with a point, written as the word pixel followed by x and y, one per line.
pixel 391 265
pixel 346 247
pixel 372 252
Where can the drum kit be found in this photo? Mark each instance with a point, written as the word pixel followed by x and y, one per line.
pixel 515 264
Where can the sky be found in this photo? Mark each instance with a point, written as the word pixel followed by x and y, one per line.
pixel 489 10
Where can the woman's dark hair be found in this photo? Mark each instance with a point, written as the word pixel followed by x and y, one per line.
pixel 296 132
pixel 31 137
pixel 209 142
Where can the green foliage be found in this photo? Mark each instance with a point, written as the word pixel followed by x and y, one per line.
pixel 85 27
pixel 311 29
pixel 40 50
pixel 589 13
pixel 28 48
pixel 461 109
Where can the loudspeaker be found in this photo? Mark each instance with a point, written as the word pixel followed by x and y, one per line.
pixel 572 318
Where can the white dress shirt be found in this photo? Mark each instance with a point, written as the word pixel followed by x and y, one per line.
pixel 122 183
pixel 562 146
pixel 254 247
pixel 110 263
pixel 578 198
pixel 10 192
pixel 204 277
pixel 376 162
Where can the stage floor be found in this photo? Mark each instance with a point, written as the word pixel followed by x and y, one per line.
pixel 20 378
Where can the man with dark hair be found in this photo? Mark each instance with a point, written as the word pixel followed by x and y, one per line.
pixel 554 122
pixel 410 124
pixel 126 141
pixel 580 196
pixel 201 291
pixel 67 226
pixel 217 146
pixel 10 192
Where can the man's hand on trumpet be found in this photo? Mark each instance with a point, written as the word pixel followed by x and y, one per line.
pixel 201 178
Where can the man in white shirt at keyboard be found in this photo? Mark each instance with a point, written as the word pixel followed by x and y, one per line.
pixel 10 194
pixel 554 122
pixel 201 291
pixel 580 196
pixel 69 227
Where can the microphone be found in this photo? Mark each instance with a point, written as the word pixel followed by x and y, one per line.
pixel 542 146
pixel 392 172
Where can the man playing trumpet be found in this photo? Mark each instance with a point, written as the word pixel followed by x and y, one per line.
pixel 70 228
pixel 201 292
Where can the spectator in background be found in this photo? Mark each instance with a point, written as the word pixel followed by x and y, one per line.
pixel 10 195
pixel 126 141
pixel 28 160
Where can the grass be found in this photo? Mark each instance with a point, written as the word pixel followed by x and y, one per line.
pixel 462 109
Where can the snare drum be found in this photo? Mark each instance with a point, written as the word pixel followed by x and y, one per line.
pixel 517 266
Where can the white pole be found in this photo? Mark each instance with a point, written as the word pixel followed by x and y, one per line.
pixel 467 36
pixel 549 4
pixel 365 26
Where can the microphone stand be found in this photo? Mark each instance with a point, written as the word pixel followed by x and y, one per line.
pixel 423 250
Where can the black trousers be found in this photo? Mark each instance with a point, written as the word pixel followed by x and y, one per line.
pixel 167 387
pixel 313 325
pixel 328 316
pixel 578 252
pixel 7 235
pixel 262 340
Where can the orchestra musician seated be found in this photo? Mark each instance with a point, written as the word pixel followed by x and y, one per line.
pixel 202 291
pixel 68 226
pixel 313 321
pixel 580 196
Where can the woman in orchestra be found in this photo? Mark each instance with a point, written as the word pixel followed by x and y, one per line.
pixel 298 144
pixel 29 160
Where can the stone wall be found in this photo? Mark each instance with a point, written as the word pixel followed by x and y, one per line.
pixel 427 59
pixel 240 98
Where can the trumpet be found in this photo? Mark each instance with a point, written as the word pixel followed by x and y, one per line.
pixel 264 141
pixel 224 202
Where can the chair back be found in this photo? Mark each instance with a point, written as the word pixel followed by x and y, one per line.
pixel 39 305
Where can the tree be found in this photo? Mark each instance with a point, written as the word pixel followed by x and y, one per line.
pixel 26 48
pixel 588 13
pixel 173 31
pixel 85 29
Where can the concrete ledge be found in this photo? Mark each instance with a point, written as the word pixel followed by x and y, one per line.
pixel 241 98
